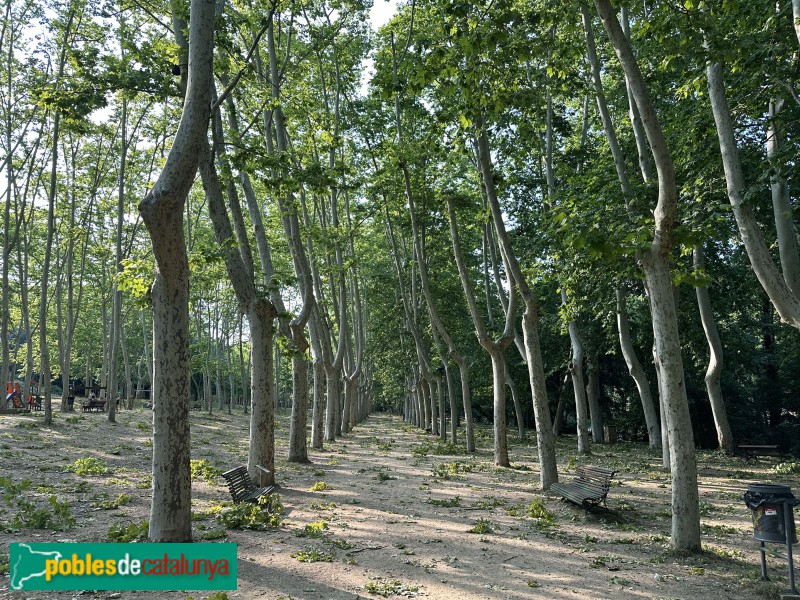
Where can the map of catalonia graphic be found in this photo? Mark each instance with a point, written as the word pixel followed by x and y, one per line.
pixel 30 564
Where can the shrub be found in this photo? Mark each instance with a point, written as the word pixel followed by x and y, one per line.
pixel 320 486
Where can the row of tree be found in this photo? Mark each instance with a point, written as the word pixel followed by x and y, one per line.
pixel 525 193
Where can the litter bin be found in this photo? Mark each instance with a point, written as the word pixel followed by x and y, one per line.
pixel 773 505
pixel 610 434
pixel 70 403
pixel 768 501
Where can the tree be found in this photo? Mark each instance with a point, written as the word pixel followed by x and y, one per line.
pixel 162 212
pixel 655 264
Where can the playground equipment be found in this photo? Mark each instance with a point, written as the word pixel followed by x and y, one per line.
pixel 13 395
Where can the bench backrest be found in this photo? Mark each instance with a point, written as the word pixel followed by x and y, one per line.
pixel 239 482
pixel 595 477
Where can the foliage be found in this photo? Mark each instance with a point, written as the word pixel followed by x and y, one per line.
pixel 316 529
pixel 446 502
pixel 89 466
pixel 482 526
pixel 214 534
pixel 265 514
pixel 13 490
pixel 320 486
pixel 58 516
pixel 109 504
pixel 382 476
pixel 786 468
pixel 312 554
pixel 451 470
pixel 132 532
pixel 537 510
pixel 203 469
pixel 391 587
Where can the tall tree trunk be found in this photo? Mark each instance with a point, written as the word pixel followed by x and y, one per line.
pixel 655 263
pixel 780 294
pixel 651 413
pixel 162 212
pixel 593 398
pixel 578 385
pixel 561 407
pixel 44 350
pixel 318 412
pixel 714 371
pixel 499 425
pixel 546 444
pixel 262 415
pixel 116 311
pixel 298 450
pixel 781 206
pixel 260 311
pixel 8 232
pixel 512 387
pixel 495 348
pixel 623 327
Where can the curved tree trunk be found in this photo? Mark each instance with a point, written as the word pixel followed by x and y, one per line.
pixel 162 212
pixel 781 206
pixel 628 352
pixel 714 371
pixel 651 413
pixel 780 294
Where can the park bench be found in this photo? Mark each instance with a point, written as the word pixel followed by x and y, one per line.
pixel 755 450
pixel 588 489
pixel 93 404
pixel 242 488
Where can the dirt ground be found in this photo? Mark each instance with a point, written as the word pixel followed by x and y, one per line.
pixel 403 515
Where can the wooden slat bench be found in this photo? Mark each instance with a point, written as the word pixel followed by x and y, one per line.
pixel 756 450
pixel 91 405
pixel 242 488
pixel 588 489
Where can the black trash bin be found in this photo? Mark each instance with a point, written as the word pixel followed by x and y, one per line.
pixel 70 403
pixel 768 501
